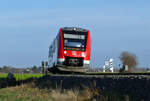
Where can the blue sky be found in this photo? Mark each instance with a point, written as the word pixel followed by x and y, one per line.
pixel 27 28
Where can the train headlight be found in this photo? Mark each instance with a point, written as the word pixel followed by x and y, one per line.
pixel 74 29
pixel 65 52
pixel 83 54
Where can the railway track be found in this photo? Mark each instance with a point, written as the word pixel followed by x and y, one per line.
pixel 74 71
pixel 84 71
pixel 117 74
pixel 104 75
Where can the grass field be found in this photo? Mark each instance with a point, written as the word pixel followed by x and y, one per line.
pixel 29 92
pixel 22 76
pixel 3 75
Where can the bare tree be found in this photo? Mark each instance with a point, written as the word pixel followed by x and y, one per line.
pixel 129 59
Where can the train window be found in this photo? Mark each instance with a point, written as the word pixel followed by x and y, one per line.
pixel 71 43
pixel 55 44
pixel 51 51
pixel 74 43
pixel 49 54
pixel 75 40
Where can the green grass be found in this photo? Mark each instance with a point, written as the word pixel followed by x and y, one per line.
pixel 26 76
pixel 3 75
pixel 22 76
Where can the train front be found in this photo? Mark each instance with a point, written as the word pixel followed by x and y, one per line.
pixel 74 47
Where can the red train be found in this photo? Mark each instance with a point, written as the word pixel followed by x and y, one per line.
pixel 71 48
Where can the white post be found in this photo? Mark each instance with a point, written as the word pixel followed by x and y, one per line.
pixel 111 65
pixel 104 67
pixel 126 68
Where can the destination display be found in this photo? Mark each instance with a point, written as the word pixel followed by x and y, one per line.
pixel 74 36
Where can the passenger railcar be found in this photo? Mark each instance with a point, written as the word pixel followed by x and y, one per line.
pixel 71 47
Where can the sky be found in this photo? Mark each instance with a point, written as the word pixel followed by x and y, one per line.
pixel 28 27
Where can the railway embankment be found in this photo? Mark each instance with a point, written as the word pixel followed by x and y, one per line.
pixel 135 86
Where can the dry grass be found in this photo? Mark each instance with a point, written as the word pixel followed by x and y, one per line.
pixel 29 92
pixel 25 92
pixel 66 96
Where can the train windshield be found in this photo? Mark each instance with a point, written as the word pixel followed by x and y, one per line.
pixel 74 41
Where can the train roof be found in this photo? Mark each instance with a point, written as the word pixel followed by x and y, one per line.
pixel 74 29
